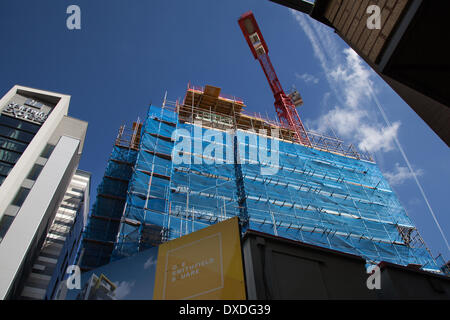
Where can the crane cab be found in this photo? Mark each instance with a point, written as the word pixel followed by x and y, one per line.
pixel 296 97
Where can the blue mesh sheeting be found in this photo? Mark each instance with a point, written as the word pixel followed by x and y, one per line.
pixel 328 200
pixel 146 200
pixel 103 224
pixel 310 195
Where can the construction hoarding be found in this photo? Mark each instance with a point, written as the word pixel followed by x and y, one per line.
pixel 206 264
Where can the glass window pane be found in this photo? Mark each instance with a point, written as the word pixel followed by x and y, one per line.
pixel 8 144
pixel 35 171
pixel 16 134
pixel 9 156
pixel 5 169
pixel 20 196
pixel 19 124
pixel 47 151
pixel 5 223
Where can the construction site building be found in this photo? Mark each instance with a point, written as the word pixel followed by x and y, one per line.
pixel 327 194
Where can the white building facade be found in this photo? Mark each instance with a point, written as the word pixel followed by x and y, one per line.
pixel 60 247
pixel 40 148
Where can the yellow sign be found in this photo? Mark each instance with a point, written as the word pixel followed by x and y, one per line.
pixel 206 264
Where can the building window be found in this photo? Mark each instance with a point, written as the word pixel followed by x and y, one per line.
pixel 5 168
pixel 9 156
pixel 19 124
pixel 12 145
pixel 35 171
pixel 15 135
pixel 5 223
pixel 20 197
pixel 47 151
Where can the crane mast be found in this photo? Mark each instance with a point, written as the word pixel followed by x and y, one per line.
pixel 284 106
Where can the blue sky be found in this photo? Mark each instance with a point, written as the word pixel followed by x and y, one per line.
pixel 134 276
pixel 129 53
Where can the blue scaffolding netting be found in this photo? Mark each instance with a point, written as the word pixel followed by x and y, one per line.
pixel 187 177
pixel 101 232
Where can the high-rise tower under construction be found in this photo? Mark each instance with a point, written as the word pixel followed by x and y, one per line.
pixel 196 162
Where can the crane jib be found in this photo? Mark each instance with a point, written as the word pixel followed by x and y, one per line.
pixel 284 105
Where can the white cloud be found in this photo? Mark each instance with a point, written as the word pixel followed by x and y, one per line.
pixel 123 289
pixel 150 262
pixel 375 139
pixel 326 98
pixel 401 174
pixel 353 118
pixel 353 78
pixel 308 78
pixel 344 121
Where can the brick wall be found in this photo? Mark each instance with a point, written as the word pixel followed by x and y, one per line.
pixel 349 18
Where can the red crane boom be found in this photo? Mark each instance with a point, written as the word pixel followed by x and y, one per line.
pixel 286 111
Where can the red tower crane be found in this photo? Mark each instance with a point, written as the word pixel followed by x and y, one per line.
pixel 286 111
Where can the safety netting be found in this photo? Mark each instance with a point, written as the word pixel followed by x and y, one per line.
pixel 325 199
pixel 142 224
pixel 188 177
pixel 103 224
